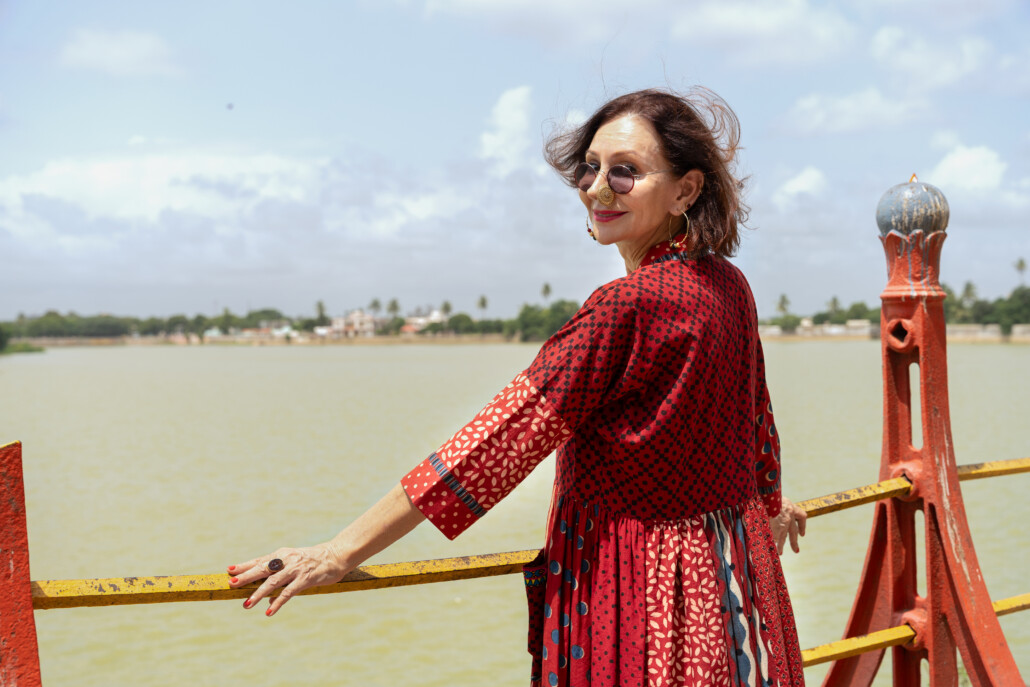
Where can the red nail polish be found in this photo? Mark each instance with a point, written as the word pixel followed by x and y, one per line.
pixel 235 580
pixel 231 568
pixel 246 604
pixel 268 612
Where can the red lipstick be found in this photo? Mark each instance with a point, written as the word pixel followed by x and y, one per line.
pixel 606 215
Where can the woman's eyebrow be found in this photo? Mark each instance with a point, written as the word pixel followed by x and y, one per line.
pixel 617 153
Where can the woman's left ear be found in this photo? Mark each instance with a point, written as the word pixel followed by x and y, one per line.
pixel 691 184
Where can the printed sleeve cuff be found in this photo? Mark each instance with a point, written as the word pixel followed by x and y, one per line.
pixel 435 491
pixel 772 498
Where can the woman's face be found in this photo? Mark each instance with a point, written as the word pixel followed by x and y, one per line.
pixel 643 217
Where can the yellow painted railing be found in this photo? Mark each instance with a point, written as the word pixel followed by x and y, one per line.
pixel 48 594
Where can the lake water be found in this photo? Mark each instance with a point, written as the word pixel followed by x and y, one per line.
pixel 167 460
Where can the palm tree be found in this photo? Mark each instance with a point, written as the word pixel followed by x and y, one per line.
pixel 834 305
pixel 1021 267
pixel 546 291
pixel 966 302
pixel 393 307
pixel 783 306
pixel 481 304
pixel 445 310
pixel 321 318
pixel 375 306
pixel 225 322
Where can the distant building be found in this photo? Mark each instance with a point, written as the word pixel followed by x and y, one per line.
pixel 356 323
pixel 417 322
pixel 850 329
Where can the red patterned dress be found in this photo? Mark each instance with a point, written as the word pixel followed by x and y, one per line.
pixel 660 566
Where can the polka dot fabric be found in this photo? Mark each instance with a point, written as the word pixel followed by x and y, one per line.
pixel 660 566
pixel 767 447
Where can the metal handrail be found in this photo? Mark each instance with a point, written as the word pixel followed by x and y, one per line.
pixel 47 594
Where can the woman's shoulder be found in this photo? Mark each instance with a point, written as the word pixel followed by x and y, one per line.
pixel 671 283
pixel 623 291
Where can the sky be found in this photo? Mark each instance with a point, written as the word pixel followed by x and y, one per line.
pixel 163 158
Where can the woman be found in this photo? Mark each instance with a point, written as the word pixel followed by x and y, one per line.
pixel 660 565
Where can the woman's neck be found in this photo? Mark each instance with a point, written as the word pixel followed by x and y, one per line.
pixel 633 254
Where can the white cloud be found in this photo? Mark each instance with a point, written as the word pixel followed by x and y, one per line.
pixel 268 227
pixel 941 13
pixel 944 139
pixel 393 212
pixel 863 111
pixel 122 53
pixel 927 66
pixel 1013 72
pixel 143 187
pixel 555 23
pixel 506 142
pixel 808 182
pixel 749 31
pixel 976 168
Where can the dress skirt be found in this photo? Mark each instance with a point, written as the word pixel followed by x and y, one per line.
pixel 628 602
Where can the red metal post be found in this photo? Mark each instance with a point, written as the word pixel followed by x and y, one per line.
pixel 952 614
pixel 19 655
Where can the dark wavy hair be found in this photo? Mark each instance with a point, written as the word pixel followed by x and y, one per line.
pixel 696 131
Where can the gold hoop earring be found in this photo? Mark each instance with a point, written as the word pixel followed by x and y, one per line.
pixel 590 230
pixel 682 240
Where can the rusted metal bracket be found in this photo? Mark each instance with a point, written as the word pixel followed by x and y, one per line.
pixel 955 615
pixel 19 653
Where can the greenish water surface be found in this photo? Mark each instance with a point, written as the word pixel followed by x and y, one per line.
pixel 148 461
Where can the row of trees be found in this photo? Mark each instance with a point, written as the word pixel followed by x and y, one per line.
pixel 533 322
pixel 964 308
pixel 54 324
pixel 968 308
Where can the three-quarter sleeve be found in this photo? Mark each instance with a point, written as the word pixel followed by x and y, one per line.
pixel 576 370
pixel 767 443
pixel 484 460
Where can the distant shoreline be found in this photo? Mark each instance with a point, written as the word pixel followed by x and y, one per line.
pixel 441 340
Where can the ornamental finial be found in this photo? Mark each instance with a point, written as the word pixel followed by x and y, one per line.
pixel 915 206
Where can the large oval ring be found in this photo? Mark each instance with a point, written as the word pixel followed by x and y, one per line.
pixel 275 565
pixel 606 195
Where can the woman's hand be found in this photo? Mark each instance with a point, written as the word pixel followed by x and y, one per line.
pixel 790 521
pixel 388 520
pixel 302 568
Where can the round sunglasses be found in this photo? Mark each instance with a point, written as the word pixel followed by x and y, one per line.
pixel 620 177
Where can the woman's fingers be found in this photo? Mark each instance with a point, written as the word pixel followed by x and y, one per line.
pixel 267 587
pixel 302 568
pixel 798 519
pixel 255 569
pixel 794 537
pixel 788 524
pixel 287 593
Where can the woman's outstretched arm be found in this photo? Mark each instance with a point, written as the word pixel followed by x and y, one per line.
pixel 381 525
